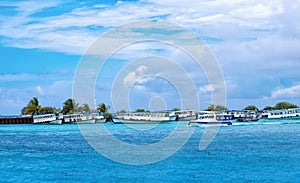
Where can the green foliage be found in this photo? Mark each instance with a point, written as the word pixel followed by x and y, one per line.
pixel 212 107
pixel 69 106
pixel 103 108
pixel 84 108
pixel 140 110
pixel 220 108
pixel 284 105
pixel 107 115
pixel 32 107
pixel 268 108
pixel 47 110
pixel 176 109
pixel 251 108
pixel 122 111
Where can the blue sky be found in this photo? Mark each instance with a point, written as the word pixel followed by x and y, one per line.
pixel 256 43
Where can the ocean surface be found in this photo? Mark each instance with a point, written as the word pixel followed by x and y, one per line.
pixel 244 152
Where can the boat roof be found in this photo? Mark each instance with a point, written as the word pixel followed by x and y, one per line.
pixel 280 110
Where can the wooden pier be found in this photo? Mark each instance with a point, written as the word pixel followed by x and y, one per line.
pixel 16 120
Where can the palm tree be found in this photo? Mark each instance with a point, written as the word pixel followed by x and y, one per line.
pixel 103 108
pixel 211 107
pixel 32 107
pixel 85 108
pixel 69 106
pixel 47 110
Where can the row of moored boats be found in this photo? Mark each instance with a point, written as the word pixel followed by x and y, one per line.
pixel 193 117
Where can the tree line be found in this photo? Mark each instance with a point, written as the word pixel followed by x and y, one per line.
pixel 69 107
pixel 278 106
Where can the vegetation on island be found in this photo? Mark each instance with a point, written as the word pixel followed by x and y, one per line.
pixel 140 110
pixel 251 108
pixel 212 107
pixel 268 108
pixel 278 106
pixel 69 107
pixel 176 109
pixel 33 107
pixel 281 105
pixel 284 105
pixel 103 108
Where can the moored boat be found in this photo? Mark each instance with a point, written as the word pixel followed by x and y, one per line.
pixel 44 118
pixel 250 116
pixel 247 119
pixel 144 117
pixel 78 118
pixel 280 114
pixel 59 119
pixel 212 118
pixel 184 115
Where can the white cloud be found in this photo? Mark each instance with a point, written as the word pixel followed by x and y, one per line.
pixel 141 69
pixel 136 76
pixel 290 92
pixel 17 77
pixel 39 90
pixel 206 89
pixel 70 32
pixel 15 98
pixel 57 88
pixel 256 11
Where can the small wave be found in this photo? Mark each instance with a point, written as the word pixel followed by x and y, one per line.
pixel 244 123
pixel 265 123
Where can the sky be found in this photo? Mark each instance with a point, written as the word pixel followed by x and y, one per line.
pixel 256 43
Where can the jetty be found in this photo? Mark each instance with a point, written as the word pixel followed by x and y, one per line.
pixel 16 119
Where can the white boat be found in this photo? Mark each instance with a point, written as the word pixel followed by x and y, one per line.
pixel 48 118
pixel 236 113
pixel 184 115
pixel 59 119
pixel 99 118
pixel 45 118
pixel 144 117
pixel 279 114
pixel 78 118
pixel 212 118
pixel 249 116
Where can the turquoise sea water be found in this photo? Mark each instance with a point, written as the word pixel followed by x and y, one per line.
pixel 244 152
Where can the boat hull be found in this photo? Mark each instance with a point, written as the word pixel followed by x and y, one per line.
pixel 100 120
pixel 247 119
pixel 88 121
pixel 187 118
pixel 56 122
pixel 211 123
pixel 125 121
